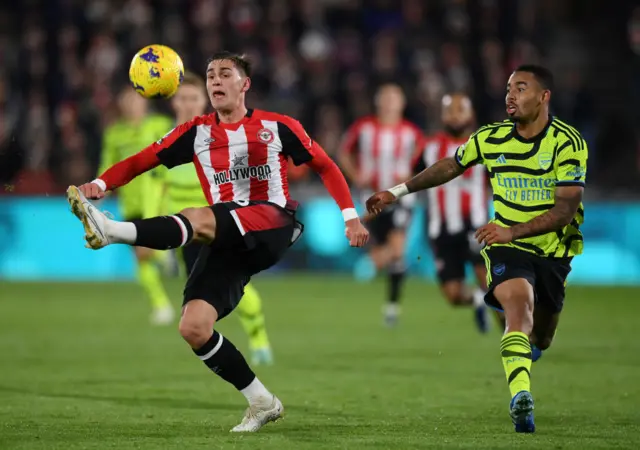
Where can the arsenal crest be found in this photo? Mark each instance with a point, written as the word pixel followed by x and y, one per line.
pixel 265 135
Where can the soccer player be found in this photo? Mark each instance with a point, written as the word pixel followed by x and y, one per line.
pixel 142 197
pixel 377 151
pixel 183 190
pixel 240 156
pixel 537 165
pixel 456 210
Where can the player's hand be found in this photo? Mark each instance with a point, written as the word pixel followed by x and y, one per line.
pixel 92 191
pixel 356 233
pixel 494 234
pixel 379 201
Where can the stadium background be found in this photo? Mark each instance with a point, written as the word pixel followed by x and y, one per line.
pixel 318 61
pixel 81 368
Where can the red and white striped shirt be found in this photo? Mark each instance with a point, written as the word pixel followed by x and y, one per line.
pixel 462 202
pixel 384 152
pixel 243 161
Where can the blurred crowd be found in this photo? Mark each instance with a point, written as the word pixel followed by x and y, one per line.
pixel 62 61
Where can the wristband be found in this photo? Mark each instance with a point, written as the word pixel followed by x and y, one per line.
pixel 399 191
pixel 101 184
pixel 349 214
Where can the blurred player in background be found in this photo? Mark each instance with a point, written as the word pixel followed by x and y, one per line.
pixel 183 190
pixel 456 210
pixel 142 197
pixel 538 165
pixel 241 158
pixel 376 151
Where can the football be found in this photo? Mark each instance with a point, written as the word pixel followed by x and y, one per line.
pixel 156 71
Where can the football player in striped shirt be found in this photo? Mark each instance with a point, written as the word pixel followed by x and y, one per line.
pixel 537 165
pixel 377 151
pixel 183 190
pixel 456 210
pixel 241 158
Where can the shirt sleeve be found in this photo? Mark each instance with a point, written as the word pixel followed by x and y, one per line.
pixel 469 154
pixel 295 141
pixel 176 147
pixel 571 163
pixel 162 125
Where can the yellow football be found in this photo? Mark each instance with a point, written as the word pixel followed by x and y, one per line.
pixel 156 71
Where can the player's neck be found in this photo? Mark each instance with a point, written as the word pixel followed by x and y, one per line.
pixel 389 121
pixel 134 120
pixel 184 118
pixel 233 116
pixel 528 130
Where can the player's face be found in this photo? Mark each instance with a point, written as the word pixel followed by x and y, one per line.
pixel 457 112
pixel 390 101
pixel 525 97
pixel 189 101
pixel 226 85
pixel 132 105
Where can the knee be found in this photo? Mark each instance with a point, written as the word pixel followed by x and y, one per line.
pixel 202 222
pixel 456 299
pixel 397 248
pixel 196 333
pixel 454 293
pixel 517 302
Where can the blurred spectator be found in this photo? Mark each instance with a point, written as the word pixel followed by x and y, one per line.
pixel 318 60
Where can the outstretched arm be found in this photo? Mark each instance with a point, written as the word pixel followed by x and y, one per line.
pixel 126 170
pixel 441 172
pixel 303 150
pixel 334 181
pixel 175 148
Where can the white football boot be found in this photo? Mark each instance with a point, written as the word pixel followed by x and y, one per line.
pixel 162 316
pixel 258 415
pixel 93 220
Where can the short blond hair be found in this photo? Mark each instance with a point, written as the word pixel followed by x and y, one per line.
pixel 191 79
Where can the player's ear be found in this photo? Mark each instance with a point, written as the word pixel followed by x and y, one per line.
pixel 546 96
pixel 246 85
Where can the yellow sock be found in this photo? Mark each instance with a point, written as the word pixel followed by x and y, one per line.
pixel 151 281
pixel 252 319
pixel 516 359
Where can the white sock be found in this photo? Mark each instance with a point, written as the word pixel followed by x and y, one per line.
pixel 392 309
pixel 120 232
pixel 478 298
pixel 256 392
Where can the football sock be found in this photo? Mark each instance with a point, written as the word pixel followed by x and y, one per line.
pixel 516 359
pixel 151 281
pixel 163 233
pixel 478 298
pixel 395 285
pixel 121 232
pixel 224 359
pixel 256 392
pixel 249 311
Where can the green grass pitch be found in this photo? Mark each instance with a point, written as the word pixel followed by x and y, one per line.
pixel 80 368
